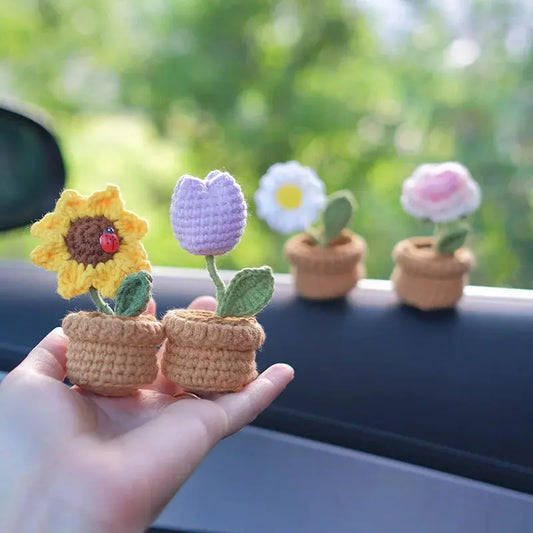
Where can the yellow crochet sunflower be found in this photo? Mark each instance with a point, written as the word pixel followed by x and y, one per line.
pixel 92 242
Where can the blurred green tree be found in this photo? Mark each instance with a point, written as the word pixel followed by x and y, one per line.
pixel 144 92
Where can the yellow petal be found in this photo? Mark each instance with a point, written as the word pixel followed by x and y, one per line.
pixel 107 203
pixel 74 279
pixel 72 205
pixel 108 278
pixel 50 226
pixel 51 255
pixel 132 257
pixel 131 227
pixel 129 259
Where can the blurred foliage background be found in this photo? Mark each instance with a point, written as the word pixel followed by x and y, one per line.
pixel 363 91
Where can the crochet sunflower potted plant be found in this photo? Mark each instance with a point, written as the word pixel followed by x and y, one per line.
pixel 431 272
pixel 328 261
pixel 94 245
pixel 209 351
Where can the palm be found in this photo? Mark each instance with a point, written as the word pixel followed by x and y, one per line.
pixel 117 459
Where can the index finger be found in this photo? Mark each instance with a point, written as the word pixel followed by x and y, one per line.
pixel 243 407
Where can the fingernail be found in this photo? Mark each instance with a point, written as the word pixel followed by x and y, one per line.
pixel 58 331
pixel 204 303
pixel 279 372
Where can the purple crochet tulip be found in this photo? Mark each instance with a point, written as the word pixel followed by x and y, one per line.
pixel 208 216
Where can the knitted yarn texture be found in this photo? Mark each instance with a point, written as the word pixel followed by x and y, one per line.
pixel 248 293
pixel 428 280
pixel 72 242
pixel 290 197
pixel 133 294
pixel 111 355
pixel 440 192
pixel 208 216
pixel 83 240
pixel 325 273
pixel 206 353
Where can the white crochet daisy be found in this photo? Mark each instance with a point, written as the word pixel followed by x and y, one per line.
pixel 290 197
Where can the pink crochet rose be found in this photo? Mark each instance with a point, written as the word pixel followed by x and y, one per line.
pixel 440 192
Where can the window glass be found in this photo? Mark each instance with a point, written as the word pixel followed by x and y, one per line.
pixel 362 91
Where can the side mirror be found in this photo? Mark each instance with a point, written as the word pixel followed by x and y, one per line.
pixel 32 171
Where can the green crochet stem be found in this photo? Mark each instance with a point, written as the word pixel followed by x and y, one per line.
pixel 315 236
pixel 217 280
pixel 99 302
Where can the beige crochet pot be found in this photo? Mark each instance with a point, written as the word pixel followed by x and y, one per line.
pixel 325 273
pixel 207 353
pixel 111 355
pixel 428 280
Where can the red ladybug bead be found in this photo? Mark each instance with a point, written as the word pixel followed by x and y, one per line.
pixel 109 241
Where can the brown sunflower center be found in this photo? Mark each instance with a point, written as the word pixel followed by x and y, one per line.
pixel 83 240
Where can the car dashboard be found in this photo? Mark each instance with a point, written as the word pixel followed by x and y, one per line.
pixel 397 420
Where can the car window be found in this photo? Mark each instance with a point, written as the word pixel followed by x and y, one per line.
pixel 361 91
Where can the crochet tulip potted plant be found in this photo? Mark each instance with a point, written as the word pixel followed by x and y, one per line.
pixel 431 272
pixel 328 261
pixel 209 351
pixel 94 245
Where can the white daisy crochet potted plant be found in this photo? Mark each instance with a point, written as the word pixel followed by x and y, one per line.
pixel 431 272
pixel 328 261
pixel 207 351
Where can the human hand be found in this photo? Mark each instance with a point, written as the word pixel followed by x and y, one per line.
pixel 74 461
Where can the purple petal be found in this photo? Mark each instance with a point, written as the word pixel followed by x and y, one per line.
pixel 208 216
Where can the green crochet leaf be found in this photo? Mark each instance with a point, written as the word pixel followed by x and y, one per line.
pixel 452 240
pixel 337 214
pixel 248 293
pixel 133 294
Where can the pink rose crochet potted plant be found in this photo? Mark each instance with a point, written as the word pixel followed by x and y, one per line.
pixel 94 245
pixel 431 272
pixel 209 351
pixel 328 261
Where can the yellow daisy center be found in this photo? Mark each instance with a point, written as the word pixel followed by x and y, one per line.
pixel 289 196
